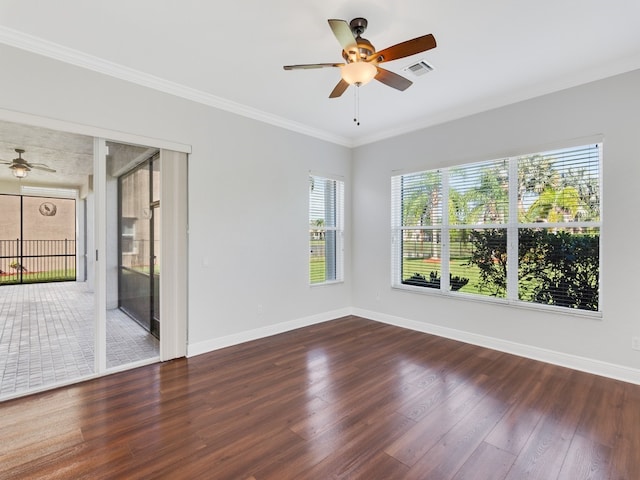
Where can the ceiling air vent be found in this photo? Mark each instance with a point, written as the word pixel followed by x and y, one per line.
pixel 419 69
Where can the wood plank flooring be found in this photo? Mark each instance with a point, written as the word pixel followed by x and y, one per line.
pixel 347 399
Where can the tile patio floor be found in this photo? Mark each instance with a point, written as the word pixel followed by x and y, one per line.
pixel 46 336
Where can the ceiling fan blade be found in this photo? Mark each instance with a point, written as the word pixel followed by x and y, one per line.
pixel 39 166
pixel 309 66
pixel 5 162
pixel 339 89
pixel 343 33
pixel 405 49
pixel 393 80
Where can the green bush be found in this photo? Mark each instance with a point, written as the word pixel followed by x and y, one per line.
pixel 417 280
pixel 559 268
pixel 554 267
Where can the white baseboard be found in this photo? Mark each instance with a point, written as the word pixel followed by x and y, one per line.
pixel 574 362
pixel 237 338
pixel 596 367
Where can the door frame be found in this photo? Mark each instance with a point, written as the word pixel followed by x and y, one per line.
pixel 173 252
pixel 174 237
pixel 174 224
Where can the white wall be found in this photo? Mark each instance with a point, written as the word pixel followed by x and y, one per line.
pixel 248 191
pixel 248 228
pixel 609 107
pixel 9 187
pixel 248 185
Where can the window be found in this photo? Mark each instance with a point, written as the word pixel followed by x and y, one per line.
pixel 522 229
pixel 326 211
pixel 128 235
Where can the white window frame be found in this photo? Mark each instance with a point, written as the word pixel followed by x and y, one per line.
pixel 333 262
pixel 512 227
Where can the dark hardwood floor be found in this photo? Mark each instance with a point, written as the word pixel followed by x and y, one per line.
pixel 350 399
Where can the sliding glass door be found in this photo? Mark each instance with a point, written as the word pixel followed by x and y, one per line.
pixel 105 239
pixel 139 244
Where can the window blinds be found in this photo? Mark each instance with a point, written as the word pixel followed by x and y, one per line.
pixel 326 225
pixel 523 228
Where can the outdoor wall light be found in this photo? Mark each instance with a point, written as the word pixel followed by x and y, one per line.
pixel 20 171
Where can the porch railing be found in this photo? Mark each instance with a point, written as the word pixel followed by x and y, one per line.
pixel 31 261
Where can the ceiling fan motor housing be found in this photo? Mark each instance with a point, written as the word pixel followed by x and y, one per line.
pixel 365 48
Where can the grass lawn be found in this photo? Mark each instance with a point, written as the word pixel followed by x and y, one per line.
pixel 421 266
pixel 410 266
pixel 317 269
pixel 144 269
pixel 457 268
pixel 35 277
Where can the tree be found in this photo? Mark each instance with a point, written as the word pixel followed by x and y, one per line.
pixel 489 254
pixel 556 205
pixel 491 197
pixel 555 268
pixel 535 175
pixel 479 194
pixel 422 206
pixel 422 200
pixel 587 185
pixel 547 186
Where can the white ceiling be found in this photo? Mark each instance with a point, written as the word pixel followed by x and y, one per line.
pixel 230 54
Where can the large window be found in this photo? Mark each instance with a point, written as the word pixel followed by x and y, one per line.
pixel 326 211
pixel 522 229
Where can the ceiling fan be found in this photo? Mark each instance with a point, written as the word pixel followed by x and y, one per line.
pixel 362 59
pixel 21 167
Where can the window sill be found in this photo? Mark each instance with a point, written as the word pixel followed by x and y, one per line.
pixel 324 284
pixel 500 301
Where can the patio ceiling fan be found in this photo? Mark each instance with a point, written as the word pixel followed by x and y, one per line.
pixel 362 59
pixel 21 168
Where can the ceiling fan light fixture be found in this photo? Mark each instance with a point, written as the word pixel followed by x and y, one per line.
pixel 20 171
pixel 358 73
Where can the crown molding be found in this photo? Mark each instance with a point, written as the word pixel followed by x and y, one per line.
pixel 40 46
pixel 617 66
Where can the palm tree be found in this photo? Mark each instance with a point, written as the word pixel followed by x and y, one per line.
pixel 422 206
pixel 556 205
pixel 479 194
pixel 535 175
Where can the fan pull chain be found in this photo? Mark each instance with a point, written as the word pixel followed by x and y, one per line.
pixel 356 106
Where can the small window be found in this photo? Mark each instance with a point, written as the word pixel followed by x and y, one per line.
pixel 326 224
